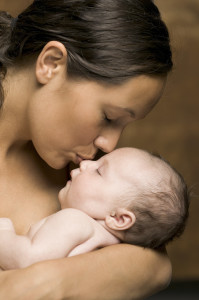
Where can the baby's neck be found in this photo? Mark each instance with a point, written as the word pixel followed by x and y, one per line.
pixel 116 235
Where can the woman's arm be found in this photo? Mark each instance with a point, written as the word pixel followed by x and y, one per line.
pixel 112 273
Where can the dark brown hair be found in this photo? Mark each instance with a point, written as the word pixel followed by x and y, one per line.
pixel 107 40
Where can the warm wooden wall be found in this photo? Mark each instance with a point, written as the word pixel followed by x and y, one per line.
pixel 172 128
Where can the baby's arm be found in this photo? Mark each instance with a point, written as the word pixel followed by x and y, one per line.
pixel 50 238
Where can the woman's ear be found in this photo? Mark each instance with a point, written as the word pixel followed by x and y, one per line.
pixel 51 61
pixel 120 219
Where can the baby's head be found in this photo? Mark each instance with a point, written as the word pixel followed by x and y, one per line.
pixel 136 195
pixel 160 203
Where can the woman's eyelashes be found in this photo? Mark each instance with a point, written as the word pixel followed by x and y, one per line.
pixel 107 119
pixel 116 120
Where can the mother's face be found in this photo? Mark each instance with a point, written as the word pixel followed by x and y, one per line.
pixel 71 120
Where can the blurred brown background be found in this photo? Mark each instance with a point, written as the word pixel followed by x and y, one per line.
pixel 172 129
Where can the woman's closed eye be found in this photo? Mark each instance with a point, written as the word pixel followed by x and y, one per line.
pixel 114 121
pixel 107 119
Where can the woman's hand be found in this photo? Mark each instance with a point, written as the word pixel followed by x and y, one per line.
pixel 112 273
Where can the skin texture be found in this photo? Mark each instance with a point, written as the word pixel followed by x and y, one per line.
pixel 38 92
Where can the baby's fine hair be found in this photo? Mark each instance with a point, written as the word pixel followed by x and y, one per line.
pixel 161 212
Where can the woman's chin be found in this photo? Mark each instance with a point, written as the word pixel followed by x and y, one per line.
pixel 57 164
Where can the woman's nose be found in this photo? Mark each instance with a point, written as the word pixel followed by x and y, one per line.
pixel 108 139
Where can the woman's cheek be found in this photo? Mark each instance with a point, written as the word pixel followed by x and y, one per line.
pixel 87 131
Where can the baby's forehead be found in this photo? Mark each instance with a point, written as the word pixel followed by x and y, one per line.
pixel 142 168
pixel 130 160
pixel 141 162
pixel 131 154
pixel 127 161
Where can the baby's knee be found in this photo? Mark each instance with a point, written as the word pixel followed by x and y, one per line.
pixel 6 224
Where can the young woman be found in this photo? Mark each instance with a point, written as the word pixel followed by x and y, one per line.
pixel 73 75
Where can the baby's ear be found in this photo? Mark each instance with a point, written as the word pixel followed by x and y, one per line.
pixel 120 219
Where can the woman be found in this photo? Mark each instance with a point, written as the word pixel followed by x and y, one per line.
pixel 73 75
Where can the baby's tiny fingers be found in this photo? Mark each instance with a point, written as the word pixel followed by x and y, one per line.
pixel 6 224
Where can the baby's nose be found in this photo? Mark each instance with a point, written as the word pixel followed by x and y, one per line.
pixel 86 164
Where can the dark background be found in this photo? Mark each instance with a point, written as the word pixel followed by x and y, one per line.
pixel 172 128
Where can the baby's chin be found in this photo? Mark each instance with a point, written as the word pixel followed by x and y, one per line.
pixel 62 199
pixel 62 196
pixel 63 192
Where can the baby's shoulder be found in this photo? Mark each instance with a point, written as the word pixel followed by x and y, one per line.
pixel 73 213
pixel 77 220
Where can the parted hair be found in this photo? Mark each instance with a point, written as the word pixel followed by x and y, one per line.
pixel 106 40
pixel 161 211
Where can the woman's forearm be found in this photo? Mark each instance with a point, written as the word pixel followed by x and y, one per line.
pixel 118 272
pixel 112 273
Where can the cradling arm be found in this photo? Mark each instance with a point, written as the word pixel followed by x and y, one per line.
pixel 112 273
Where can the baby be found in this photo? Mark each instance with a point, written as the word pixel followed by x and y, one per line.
pixel 126 196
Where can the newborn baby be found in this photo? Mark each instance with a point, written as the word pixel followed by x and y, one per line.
pixel 126 196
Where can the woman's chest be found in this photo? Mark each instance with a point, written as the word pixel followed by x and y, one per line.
pixel 28 192
pixel 25 203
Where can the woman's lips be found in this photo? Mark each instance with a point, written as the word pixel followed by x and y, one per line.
pixel 78 159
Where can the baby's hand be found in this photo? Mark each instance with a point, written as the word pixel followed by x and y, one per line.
pixel 6 224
